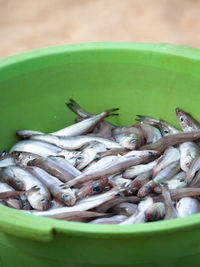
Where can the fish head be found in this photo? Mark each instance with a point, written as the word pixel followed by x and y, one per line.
pixel 38 201
pixel 14 203
pixel 22 158
pixel 99 186
pixel 185 120
pixel 17 184
pixel 130 141
pixel 149 155
pixel 66 195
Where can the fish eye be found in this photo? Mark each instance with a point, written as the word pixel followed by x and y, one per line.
pixel 181 118
pixel 166 131
pixel 65 197
pixel 133 140
pixel 44 200
pixel 151 154
pixel 97 188
pixel 17 182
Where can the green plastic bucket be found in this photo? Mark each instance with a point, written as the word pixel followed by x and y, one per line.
pixel 139 78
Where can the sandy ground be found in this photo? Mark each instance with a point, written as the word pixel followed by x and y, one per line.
pixel 30 24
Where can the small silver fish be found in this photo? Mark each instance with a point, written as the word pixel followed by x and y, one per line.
pixel 85 204
pixel 111 220
pixel 188 152
pixel 187 122
pixel 38 194
pixel 118 166
pixel 187 206
pixel 170 156
pixel 139 215
pixel 155 212
pixel 165 127
pixel 6 160
pixel 86 125
pixel 36 147
pixel 76 142
pixel 64 172
pixel 58 189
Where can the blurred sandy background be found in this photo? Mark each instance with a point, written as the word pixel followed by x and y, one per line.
pixel 30 24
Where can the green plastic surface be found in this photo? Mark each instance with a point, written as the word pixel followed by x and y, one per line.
pixel 138 78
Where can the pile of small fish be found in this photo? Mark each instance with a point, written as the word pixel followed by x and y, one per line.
pixel 99 173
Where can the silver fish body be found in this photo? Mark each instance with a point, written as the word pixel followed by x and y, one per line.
pixel 38 195
pixel 139 215
pixel 117 166
pixel 168 172
pixel 64 172
pixel 178 181
pixel 150 133
pixel 76 142
pixel 110 220
pixel 84 126
pixel 36 147
pixel 90 153
pixel 11 202
pixel 6 160
pixel 187 122
pixel 26 134
pixel 188 152
pixel 58 189
pixel 139 169
pixel 155 212
pixel 187 206
pixel 171 155
pixel 85 204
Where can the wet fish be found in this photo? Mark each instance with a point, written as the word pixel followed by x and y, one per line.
pixel 11 202
pixel 38 195
pixel 168 172
pixel 142 179
pixel 170 156
pixel 165 127
pixel 118 166
pixel 36 147
pixel 147 188
pixel 76 142
pixel 170 211
pixel 92 188
pixel 72 157
pixel 129 137
pixel 82 205
pixel 188 152
pixel 58 189
pixel 178 181
pixel 77 109
pixel 139 169
pixel 6 160
pixel 187 206
pixel 186 121
pixel 155 212
pixel 151 134
pixel 139 215
pixel 194 168
pixel 125 208
pixel 62 172
pixel 171 140
pixel 90 153
pixel 86 125
pixel 111 220
pixel 115 201
pixel 22 158
pixel 81 214
pixel 26 134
